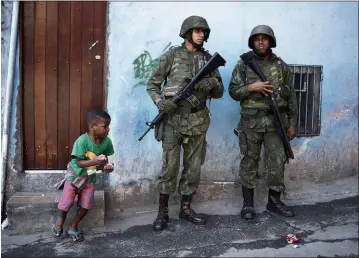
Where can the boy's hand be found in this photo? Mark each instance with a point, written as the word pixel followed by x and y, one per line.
pixel 108 168
pixel 102 159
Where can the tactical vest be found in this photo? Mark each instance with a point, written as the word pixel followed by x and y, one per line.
pixel 274 74
pixel 185 65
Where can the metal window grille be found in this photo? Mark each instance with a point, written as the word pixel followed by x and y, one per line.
pixel 307 83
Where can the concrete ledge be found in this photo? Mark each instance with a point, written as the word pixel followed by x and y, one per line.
pixel 43 182
pixel 124 199
pixel 33 212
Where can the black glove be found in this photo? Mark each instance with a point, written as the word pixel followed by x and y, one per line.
pixel 206 85
pixel 166 105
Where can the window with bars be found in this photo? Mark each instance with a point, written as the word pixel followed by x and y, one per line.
pixel 307 81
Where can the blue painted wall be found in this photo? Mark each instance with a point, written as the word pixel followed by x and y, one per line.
pixel 307 33
pixel 322 33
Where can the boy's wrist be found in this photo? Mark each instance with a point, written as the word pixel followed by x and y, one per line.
pixel 96 162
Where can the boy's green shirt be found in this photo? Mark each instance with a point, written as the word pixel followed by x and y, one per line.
pixel 84 148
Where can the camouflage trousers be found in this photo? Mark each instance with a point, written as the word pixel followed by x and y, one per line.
pixel 250 143
pixel 194 151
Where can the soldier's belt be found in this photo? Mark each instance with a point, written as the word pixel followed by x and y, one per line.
pixel 189 109
pixel 261 113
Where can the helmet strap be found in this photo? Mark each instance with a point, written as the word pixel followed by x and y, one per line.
pixel 262 55
pixel 198 46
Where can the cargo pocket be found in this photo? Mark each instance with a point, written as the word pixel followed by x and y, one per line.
pixel 243 146
pixel 159 131
pixel 170 137
pixel 252 123
pixel 254 140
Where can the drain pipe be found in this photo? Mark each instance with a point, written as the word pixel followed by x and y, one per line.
pixel 8 101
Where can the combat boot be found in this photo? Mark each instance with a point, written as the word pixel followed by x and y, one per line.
pixel 247 211
pixel 276 205
pixel 187 213
pixel 162 219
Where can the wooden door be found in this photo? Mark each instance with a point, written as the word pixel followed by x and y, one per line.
pixel 62 63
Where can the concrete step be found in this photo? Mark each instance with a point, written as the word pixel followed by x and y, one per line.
pixel 33 212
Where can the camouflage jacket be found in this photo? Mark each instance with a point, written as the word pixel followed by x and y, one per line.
pixel 175 65
pixel 254 106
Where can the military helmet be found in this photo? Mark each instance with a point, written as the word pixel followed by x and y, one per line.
pixel 194 22
pixel 262 29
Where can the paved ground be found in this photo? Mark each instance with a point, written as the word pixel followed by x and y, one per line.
pixel 327 229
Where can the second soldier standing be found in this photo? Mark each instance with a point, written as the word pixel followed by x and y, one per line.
pixel 257 124
pixel 185 126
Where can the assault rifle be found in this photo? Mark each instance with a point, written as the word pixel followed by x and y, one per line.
pixel 186 93
pixel 249 60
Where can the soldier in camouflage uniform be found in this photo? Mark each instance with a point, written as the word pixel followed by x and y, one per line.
pixel 256 125
pixel 186 125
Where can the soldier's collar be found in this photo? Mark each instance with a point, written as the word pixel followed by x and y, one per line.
pixel 201 49
pixel 272 56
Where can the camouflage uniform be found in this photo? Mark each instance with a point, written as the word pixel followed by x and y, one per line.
pixel 187 126
pixel 256 124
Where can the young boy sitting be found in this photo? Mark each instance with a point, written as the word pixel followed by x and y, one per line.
pixel 89 154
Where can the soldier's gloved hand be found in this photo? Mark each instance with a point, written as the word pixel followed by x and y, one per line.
pixel 166 105
pixel 206 85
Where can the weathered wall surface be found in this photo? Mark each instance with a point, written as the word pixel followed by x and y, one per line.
pixel 307 33
pixel 15 148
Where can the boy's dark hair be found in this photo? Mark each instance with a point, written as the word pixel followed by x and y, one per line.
pixel 95 115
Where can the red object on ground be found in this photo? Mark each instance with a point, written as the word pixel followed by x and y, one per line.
pixel 292 239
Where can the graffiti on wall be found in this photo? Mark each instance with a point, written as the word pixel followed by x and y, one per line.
pixel 143 66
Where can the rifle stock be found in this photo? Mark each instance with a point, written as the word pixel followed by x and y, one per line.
pixel 249 60
pixel 213 63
